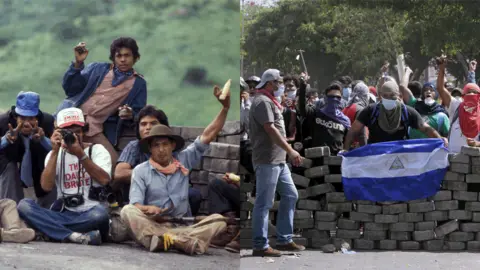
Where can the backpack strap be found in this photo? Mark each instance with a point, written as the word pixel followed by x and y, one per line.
pixel 405 121
pixel 90 151
pixel 374 115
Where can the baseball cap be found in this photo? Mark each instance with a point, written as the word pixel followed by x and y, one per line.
pixel 69 117
pixel 27 104
pixel 268 76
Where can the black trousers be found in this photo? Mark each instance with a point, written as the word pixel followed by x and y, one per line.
pixel 223 197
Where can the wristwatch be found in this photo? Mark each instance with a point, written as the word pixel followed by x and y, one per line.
pixel 84 157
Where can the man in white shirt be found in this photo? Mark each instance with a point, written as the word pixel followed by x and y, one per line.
pixel 79 171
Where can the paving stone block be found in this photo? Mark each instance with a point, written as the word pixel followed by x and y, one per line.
pixel 460 214
pixel 363 244
pixel 220 165
pixel 475 161
pixel 409 245
pixel 339 207
pixel 348 224
pixel 402 227
pixel 300 181
pixel 446 205
pixel 476 217
pixel 316 172
pixel 364 202
pixel 394 209
pixel 198 177
pixel 453 176
pixel 333 178
pixel 470 227
pixel 454 245
pixel 309 205
pixel 465 196
pixel 423 235
pixel 421 207
pixel 348 234
pixel 244 215
pixel 314 233
pixel 442 195
pixel 386 218
pixel 370 226
pixel 433 245
pixel 400 236
pixel 425 225
pixel 302 194
pixel 472 178
pixel 417 201
pixel 436 216
pixel 460 168
pixel 369 209
pixel 387 244
pixel 326 225
pixel 302 214
pixel 338 242
pixel 470 151
pixel 317 152
pixel 410 217
pixel 460 236
pixel 475 169
pixel 364 217
pixel 473 245
pixel 303 223
pixel 336 197
pixel 477 236
pixel 223 150
pixel 325 216
pixel 317 243
pixel 374 235
pixel 320 189
pixel 306 163
pixel 459 158
pixel 446 228
pixel 333 160
pixel 455 185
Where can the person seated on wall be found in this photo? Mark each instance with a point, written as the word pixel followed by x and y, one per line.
pixel 159 188
pixel 26 131
pixel 79 171
pixel 109 94
pixel 224 199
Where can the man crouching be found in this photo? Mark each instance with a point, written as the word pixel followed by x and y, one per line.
pixel 159 189
pixel 78 171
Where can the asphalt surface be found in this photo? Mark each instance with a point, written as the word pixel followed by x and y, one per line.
pixel 372 260
pixel 43 255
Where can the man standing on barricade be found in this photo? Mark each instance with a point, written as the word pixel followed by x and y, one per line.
pixel 26 131
pixel 79 172
pixel 159 190
pixel 108 93
pixel 270 147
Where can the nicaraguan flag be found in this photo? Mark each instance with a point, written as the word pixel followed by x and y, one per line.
pixel 395 171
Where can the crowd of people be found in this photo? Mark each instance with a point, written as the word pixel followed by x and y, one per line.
pixel 86 193
pixel 282 116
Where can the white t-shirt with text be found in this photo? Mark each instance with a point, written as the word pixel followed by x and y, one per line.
pixel 69 184
pixel 456 139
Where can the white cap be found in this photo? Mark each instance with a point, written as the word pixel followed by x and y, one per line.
pixel 268 76
pixel 69 117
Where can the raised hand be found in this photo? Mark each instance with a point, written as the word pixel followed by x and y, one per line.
pixel 81 52
pixel 12 134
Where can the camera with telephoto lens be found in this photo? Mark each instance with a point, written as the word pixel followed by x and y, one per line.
pixel 74 200
pixel 101 194
pixel 68 136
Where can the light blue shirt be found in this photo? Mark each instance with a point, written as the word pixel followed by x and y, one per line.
pixel 150 187
pixel 45 142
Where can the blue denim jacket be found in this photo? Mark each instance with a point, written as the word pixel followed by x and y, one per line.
pixel 80 83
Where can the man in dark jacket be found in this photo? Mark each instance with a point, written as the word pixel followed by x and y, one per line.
pixel 109 94
pixel 26 131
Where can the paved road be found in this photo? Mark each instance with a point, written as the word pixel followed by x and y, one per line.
pixel 42 255
pixel 379 260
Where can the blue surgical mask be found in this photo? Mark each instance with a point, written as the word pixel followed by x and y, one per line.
pixel 346 93
pixel 280 91
pixel 292 94
pixel 389 104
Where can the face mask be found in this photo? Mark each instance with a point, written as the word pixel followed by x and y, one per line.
pixel 280 91
pixel 292 94
pixel 315 99
pixel 429 101
pixel 389 104
pixel 346 93
pixel 333 101
pixel 279 99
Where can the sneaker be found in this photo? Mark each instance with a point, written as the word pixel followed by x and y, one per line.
pixel 18 235
pixel 181 243
pixel 91 238
pixel 268 252
pixel 290 247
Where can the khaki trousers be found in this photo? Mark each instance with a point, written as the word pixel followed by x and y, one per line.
pixel 143 228
pixel 9 218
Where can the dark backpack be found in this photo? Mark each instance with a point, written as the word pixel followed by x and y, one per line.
pixel 404 119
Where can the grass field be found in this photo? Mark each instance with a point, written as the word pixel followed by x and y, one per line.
pixel 37 37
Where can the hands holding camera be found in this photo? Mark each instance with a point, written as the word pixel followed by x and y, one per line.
pixel 58 141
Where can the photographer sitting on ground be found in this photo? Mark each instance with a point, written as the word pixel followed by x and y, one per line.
pixel 79 171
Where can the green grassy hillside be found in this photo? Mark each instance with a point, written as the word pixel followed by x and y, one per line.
pixel 37 37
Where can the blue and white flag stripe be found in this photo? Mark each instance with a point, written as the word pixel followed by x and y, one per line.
pixel 395 171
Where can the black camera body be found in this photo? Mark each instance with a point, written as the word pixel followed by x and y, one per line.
pixel 68 136
pixel 101 194
pixel 74 200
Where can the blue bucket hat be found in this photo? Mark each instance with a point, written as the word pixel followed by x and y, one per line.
pixel 27 104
